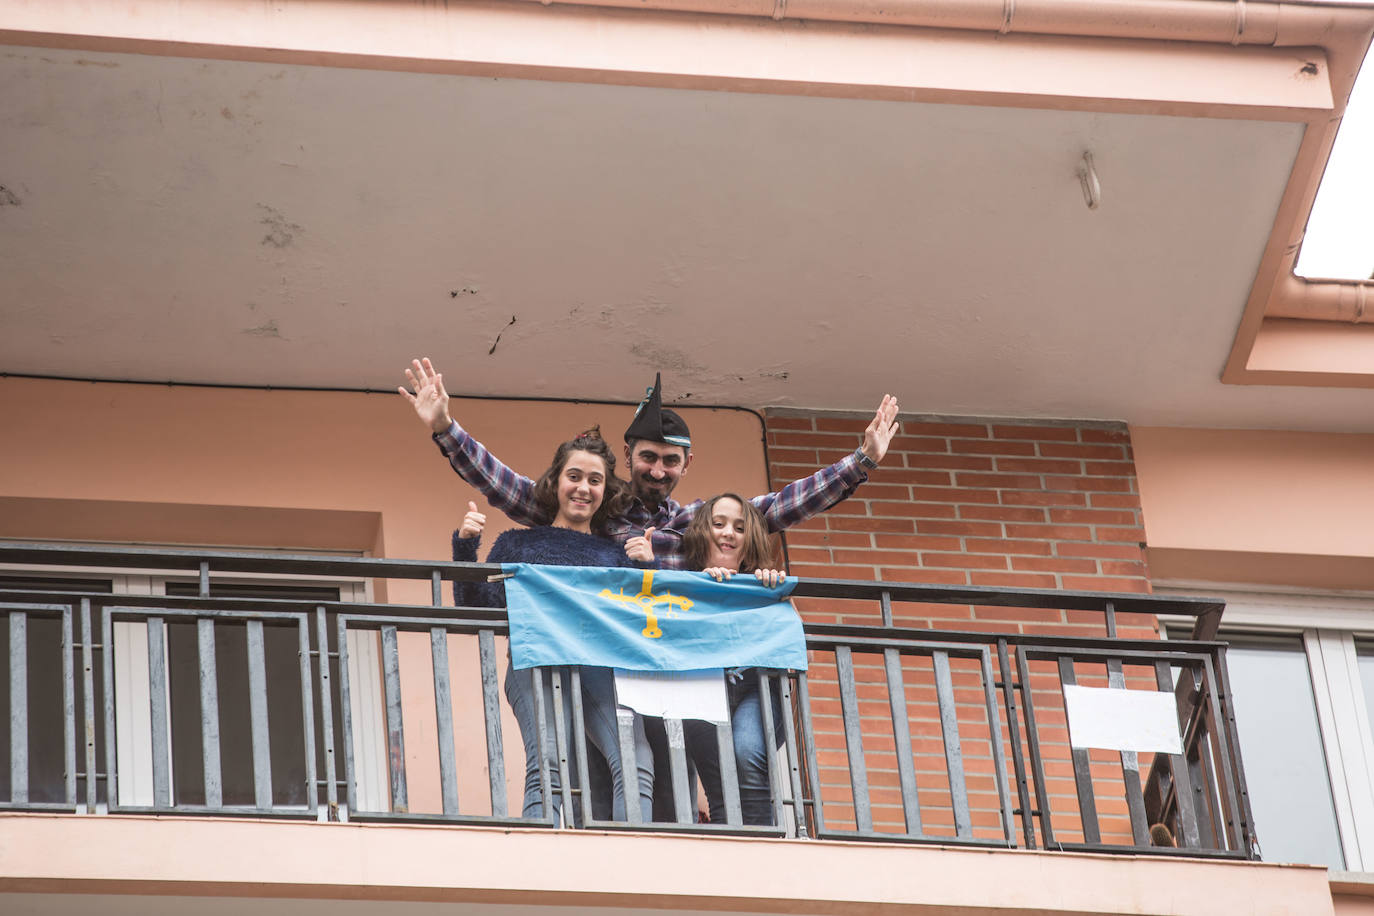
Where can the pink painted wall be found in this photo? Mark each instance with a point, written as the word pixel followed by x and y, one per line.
pixel 1258 505
pixel 305 470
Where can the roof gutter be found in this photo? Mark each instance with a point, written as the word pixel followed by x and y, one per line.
pixel 1235 22
pixel 1323 300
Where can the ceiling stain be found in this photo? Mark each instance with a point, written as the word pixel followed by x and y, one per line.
pixel 281 231
pixel 8 198
pixel 267 329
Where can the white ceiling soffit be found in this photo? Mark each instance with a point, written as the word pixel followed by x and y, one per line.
pixel 245 223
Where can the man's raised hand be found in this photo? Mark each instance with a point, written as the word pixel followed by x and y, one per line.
pixel 879 433
pixel 430 400
pixel 641 549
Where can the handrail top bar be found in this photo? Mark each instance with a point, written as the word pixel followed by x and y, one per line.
pixel 994 596
pixel 230 561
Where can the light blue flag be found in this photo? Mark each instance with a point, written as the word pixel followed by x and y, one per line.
pixel 649 619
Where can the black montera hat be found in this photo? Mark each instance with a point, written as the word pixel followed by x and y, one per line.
pixel 657 423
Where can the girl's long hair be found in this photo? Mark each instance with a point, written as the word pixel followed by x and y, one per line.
pixel 617 491
pixel 756 547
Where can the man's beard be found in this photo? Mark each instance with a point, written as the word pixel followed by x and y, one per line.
pixel 652 496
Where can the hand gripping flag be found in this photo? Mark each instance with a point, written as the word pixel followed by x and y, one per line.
pixel 649 620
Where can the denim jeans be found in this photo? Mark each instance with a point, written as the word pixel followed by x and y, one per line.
pixel 603 733
pixel 703 756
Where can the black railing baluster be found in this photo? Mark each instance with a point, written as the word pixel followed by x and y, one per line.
pixel 209 713
pixel 853 739
pixel 629 764
pixel 1187 833
pixel 257 713
pixel 107 663
pixel 395 729
pixel 87 706
pixel 684 807
pixel 312 789
pixel 770 748
pixel 542 740
pixel 1014 737
pixel 954 754
pixel 331 775
pixel 1082 769
pixel 157 702
pixel 346 714
pixel 808 740
pixel 999 763
pixel 561 738
pixel 789 737
pixel 901 734
pixel 491 715
pixel 729 775
pixel 579 722
pixel 19 707
pixel 443 717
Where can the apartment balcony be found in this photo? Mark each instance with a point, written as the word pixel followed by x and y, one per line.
pixel 234 695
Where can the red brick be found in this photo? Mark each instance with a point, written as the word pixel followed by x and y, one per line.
pixel 1007 545
pixel 1003 513
pixel 1109 468
pixel 1103 584
pixel 1018 615
pixel 803 555
pixel 1105 551
pixel 955 462
pixel 1051 532
pixel 801 457
pixel 814 440
pixel 992 447
pixel 1037 498
pixel 1105 435
pixel 964 430
pixel 787 422
pixel 891 491
pixel 886 474
pixel 889 557
pixel 1090 484
pixel 916 542
pixel 1132 535
pixel 831 571
pixel 953 495
pixel 842 424
pixel 1054 564
pixel 799 538
pixel 1116 500
pixel 1012 580
pixel 909 444
pixel 849 523
pixel 1051 433
pixel 1099 452
pixel 963 560
pixel 1040 465
pixel 926 575
pixel 1093 516
pixel 1122 568
pixel 977 529
pixel 998 481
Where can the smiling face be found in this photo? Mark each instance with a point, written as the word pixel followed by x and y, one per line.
pixel 581 487
pixel 726 533
pixel 655 469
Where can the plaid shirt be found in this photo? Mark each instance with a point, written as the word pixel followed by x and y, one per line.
pixel 513 494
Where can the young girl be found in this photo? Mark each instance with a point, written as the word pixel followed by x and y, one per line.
pixel 728 536
pixel 578 493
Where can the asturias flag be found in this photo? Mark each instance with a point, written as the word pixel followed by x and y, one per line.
pixel 649 620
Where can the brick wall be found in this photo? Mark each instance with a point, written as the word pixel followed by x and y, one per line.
pixel 966 502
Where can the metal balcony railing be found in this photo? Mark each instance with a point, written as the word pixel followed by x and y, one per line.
pixel 894 734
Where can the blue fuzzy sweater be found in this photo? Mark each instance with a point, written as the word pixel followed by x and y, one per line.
pixel 546 544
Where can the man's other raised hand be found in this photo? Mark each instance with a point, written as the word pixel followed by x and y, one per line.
pixel 879 433
pixel 430 400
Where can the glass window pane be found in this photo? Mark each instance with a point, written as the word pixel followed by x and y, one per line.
pixel 1285 766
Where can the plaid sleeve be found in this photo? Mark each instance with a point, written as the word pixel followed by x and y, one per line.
pixel 801 499
pixel 504 489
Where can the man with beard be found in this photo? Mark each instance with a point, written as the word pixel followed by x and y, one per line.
pixel 658 452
